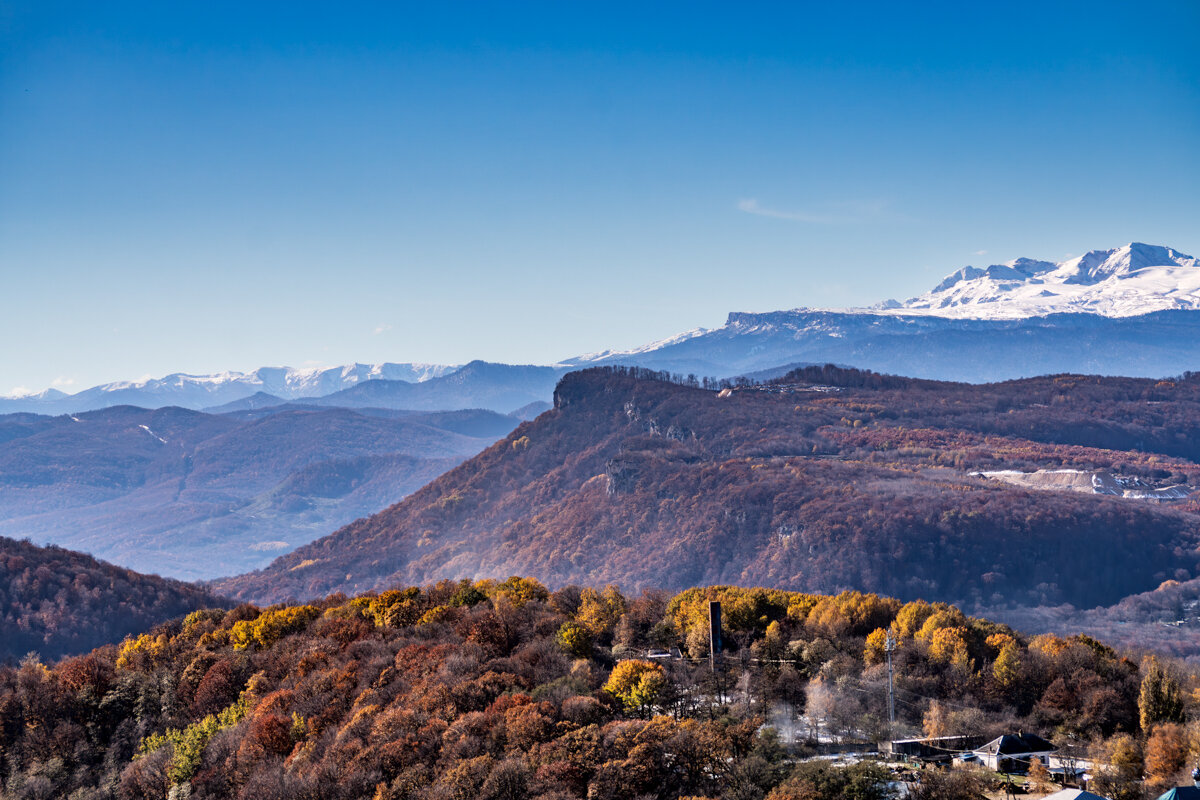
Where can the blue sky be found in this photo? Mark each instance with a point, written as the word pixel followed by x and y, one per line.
pixel 207 186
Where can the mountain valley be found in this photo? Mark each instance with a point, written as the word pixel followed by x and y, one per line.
pixel 196 495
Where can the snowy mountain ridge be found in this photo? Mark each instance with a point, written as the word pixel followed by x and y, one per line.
pixel 1131 310
pixel 291 382
pixel 1128 281
pixel 1122 282
pixel 201 391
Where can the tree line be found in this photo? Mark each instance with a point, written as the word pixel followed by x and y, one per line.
pixel 503 690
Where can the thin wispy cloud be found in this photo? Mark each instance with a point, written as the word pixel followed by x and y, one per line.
pixel 381 329
pixel 62 381
pixel 981 252
pixel 841 213
pixel 750 206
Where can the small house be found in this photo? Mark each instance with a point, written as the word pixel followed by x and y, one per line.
pixel 935 749
pixel 1181 793
pixel 1014 752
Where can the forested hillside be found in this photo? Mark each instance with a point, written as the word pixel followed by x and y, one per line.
pixel 55 602
pixel 502 691
pixel 824 480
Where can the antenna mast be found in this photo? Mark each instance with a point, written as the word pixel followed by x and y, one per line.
pixel 890 647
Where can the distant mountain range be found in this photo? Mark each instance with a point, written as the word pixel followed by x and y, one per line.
pixel 198 495
pixel 203 391
pixel 1131 310
pixel 1158 344
pixel 498 387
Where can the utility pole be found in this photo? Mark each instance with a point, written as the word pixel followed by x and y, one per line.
pixel 714 647
pixel 890 647
pixel 714 633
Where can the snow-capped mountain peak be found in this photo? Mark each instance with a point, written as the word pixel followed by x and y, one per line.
pixel 1125 281
pixel 201 391
pixel 28 394
pixel 1099 265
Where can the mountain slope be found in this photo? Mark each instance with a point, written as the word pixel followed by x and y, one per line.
pixel 198 495
pixel 56 602
pixel 865 485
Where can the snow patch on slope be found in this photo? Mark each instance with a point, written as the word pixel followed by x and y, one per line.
pixel 147 430
pixel 646 348
pixel 1090 482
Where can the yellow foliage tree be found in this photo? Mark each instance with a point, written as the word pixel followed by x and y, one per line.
pixel 639 685
pixel 743 610
pixel 949 645
pixel 999 641
pixel 853 613
pixel 395 608
pixel 600 612
pixel 574 639
pixel 439 614
pixel 911 617
pixel 520 591
pixel 1049 644
pixel 936 720
pixel 944 616
pixel 1039 776
pixel 876 649
pixel 1007 667
pixel 1166 754
pixel 1161 698
pixel 271 626
pixel 145 648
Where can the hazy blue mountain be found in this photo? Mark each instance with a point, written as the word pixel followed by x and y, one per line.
pixel 195 495
pixel 479 384
pixel 531 410
pixel 254 402
pixel 497 387
pixel 1150 345
pixel 207 391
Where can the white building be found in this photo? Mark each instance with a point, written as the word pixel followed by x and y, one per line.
pixel 1014 752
